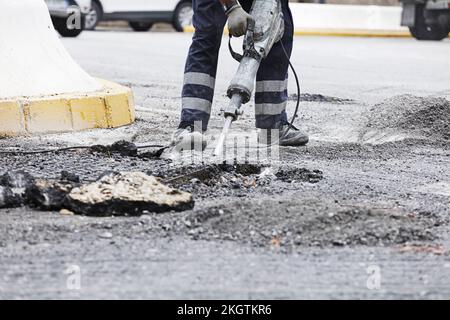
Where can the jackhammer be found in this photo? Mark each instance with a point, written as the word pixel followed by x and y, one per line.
pixel 263 31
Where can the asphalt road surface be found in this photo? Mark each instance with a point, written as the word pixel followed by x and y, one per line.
pixel 361 212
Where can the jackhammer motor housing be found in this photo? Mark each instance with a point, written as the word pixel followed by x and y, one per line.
pixel 266 30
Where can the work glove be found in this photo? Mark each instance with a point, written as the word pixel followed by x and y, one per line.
pixel 238 21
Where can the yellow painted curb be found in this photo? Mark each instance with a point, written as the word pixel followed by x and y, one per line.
pixel 189 29
pixel 338 33
pixel 113 106
pixel 352 33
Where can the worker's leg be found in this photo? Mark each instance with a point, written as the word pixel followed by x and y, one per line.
pixel 271 82
pixel 201 65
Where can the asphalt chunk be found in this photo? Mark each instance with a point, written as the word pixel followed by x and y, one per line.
pixel 299 175
pixel 8 199
pixel 16 179
pixel 48 195
pixel 127 193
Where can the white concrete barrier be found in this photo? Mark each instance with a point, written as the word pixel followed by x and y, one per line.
pixel 42 89
pixel 32 59
pixel 347 19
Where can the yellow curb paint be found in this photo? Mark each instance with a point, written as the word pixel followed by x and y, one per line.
pixel 353 33
pixel 11 118
pixel 88 113
pixel 338 33
pixel 131 103
pixel 113 106
pixel 189 29
pixel 48 115
pixel 118 111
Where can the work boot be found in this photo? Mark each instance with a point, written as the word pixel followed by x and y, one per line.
pixel 188 139
pixel 283 136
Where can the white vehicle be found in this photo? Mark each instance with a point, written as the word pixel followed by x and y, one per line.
pixel 141 14
pixel 62 12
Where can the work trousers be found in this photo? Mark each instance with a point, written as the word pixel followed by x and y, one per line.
pixel 271 94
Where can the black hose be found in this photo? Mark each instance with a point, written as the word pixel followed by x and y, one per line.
pixel 297 107
pixel 297 80
pixel 20 152
pixel 152 146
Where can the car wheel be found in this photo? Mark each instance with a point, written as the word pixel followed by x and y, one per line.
pixel 183 16
pixel 423 31
pixel 93 17
pixel 60 25
pixel 140 26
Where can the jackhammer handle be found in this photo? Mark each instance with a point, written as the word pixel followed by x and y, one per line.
pixel 249 35
pixel 251 23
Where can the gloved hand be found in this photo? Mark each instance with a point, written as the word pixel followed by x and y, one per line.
pixel 238 21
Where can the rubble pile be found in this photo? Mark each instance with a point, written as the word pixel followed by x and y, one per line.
pixel 48 195
pixel 424 118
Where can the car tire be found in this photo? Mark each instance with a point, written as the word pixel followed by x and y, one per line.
pixel 93 17
pixel 140 26
pixel 60 25
pixel 423 31
pixel 182 16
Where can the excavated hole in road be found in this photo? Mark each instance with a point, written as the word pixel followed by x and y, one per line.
pixel 291 175
pixel 207 181
pixel 209 173
pixel 206 173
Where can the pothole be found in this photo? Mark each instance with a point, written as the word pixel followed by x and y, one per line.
pixel 207 173
pixel 212 175
pixel 311 97
pixel 299 174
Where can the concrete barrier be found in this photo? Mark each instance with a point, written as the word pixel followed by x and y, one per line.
pixel 347 20
pixel 41 88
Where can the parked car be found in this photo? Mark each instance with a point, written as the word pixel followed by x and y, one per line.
pixel 427 19
pixel 65 13
pixel 141 14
